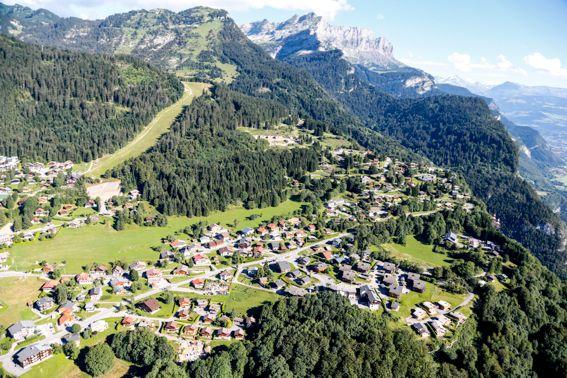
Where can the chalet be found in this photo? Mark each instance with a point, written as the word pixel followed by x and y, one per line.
pixel 348 276
pixel 215 244
pixel 201 260
pixel 95 293
pixel 362 267
pixel 294 273
pixel 153 273
pixel 181 270
pixel 389 279
pixel 389 267
pixel 171 326
pixel 190 330
pixel 247 231
pixel 40 212
pixel 65 318
pixel 225 251
pixel 457 316
pixel 311 228
pixel 49 286
pixel 280 267
pixel 262 230
pixel 178 244
pixel 303 260
pixel 138 266
pixel 83 279
pixel 429 307
pixel 184 313
pixel 395 291
pixel 44 303
pixel 438 329
pixel 239 334
pixel 206 332
pixel 263 281
pixel 33 354
pixel 327 255
pixel 418 286
pixel 67 307
pixel 128 321
pixel 451 237
pixel 224 333
pixel 303 280
pixel 421 329
pixel 320 267
pixel 166 255
pixel 444 305
pixel 150 305
pixel 118 271
pixel 410 277
pixel 224 275
pixel 21 330
pixel 394 306
pixel 277 284
pixel 198 283
pixel 184 302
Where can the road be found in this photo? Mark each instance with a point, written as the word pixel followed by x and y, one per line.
pixel 7 360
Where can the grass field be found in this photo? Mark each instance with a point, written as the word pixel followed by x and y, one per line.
pixel 417 252
pixel 59 366
pixel 102 244
pixel 149 135
pixel 15 293
pixel 242 298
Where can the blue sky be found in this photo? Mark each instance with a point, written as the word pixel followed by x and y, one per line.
pixel 480 40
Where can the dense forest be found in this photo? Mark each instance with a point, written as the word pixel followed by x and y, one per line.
pixel 203 163
pixel 459 133
pixel 59 105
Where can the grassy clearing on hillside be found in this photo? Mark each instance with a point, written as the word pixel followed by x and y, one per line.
pixel 15 293
pixel 59 366
pixel 417 252
pixel 149 135
pixel 432 294
pixel 102 244
pixel 242 298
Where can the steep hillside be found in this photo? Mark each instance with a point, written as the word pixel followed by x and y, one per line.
pixel 457 132
pixel 174 41
pixel 62 105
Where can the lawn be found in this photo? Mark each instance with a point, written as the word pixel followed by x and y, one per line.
pixel 432 294
pixel 242 298
pixel 15 293
pixel 417 252
pixel 59 366
pixel 149 135
pixel 102 244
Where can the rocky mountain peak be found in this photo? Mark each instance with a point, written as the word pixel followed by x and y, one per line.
pixel 359 45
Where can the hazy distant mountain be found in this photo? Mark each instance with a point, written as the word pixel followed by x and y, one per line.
pixel 371 56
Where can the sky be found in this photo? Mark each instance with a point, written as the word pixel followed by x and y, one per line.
pixel 487 41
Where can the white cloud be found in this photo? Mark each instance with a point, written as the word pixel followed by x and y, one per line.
pixel 93 9
pixel 549 65
pixel 464 63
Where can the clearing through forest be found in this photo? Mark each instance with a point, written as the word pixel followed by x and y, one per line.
pixel 149 135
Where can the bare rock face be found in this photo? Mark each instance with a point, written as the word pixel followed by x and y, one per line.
pixel 302 35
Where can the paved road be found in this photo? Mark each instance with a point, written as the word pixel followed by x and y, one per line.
pixel 7 360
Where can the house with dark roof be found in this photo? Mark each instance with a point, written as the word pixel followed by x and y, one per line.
pixel 150 305
pixel 33 354
pixel 281 267
pixel 21 330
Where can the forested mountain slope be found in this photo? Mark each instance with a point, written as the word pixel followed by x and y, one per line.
pixel 59 105
pixel 457 132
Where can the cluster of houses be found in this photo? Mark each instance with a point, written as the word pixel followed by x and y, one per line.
pixel 381 196
pixel 9 163
pixel 434 318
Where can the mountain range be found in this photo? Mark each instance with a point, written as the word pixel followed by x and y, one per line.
pixel 338 78
pixel 370 56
